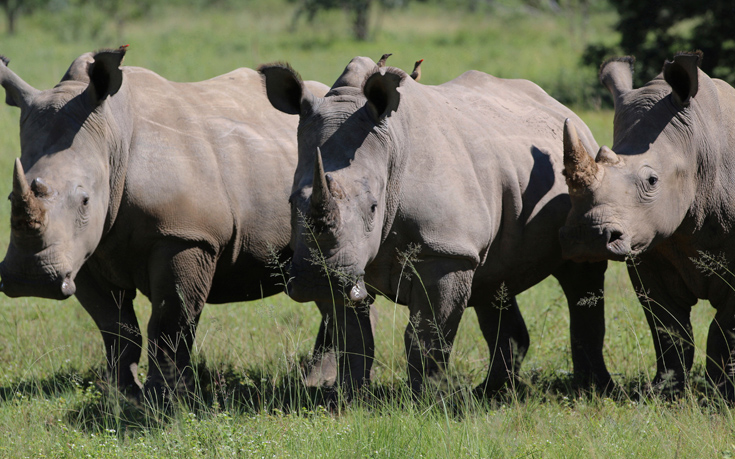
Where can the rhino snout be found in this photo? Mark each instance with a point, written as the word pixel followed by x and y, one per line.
pixel 57 288
pixel 311 284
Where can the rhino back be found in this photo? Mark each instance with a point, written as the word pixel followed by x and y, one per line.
pixel 488 158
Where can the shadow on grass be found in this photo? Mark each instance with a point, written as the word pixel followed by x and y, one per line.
pixel 90 406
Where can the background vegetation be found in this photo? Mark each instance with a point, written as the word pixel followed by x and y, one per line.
pixel 249 356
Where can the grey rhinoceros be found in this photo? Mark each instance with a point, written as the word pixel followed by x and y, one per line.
pixel 664 199
pixel 129 181
pixel 437 197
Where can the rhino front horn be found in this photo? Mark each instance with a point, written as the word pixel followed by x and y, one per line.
pixel 26 210
pixel 20 185
pixel 322 202
pixel 580 169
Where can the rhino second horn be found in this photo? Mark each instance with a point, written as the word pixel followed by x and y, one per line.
pixel 40 188
pixel 579 168
pixel 322 202
pixel 607 156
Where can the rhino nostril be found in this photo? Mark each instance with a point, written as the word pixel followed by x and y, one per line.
pixel 613 236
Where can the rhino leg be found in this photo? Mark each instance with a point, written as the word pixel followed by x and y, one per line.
pixel 112 310
pixel 667 308
pixel 721 351
pixel 439 293
pixel 323 367
pixel 505 331
pixel 347 346
pixel 180 279
pixel 583 285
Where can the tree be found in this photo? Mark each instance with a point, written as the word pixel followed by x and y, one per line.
pixel 654 30
pixel 14 8
pixel 358 10
pixel 121 11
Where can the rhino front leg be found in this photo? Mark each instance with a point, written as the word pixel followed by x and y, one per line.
pixel 180 278
pixel 583 285
pixel 673 341
pixel 350 342
pixel 721 351
pixel 506 334
pixel 440 289
pixel 667 307
pixel 112 310
pixel 323 368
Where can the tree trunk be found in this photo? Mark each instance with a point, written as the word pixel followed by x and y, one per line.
pixel 361 10
pixel 11 14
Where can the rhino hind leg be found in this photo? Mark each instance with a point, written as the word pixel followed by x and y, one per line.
pixel 583 285
pixel 505 331
pixel 113 313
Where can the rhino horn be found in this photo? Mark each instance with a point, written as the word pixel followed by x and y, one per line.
pixel 607 156
pixel 27 211
pixel 322 201
pixel 20 184
pixel 579 168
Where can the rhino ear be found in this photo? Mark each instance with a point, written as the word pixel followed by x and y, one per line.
pixel 616 75
pixel 285 89
pixel 381 91
pixel 105 75
pixel 18 93
pixel 682 76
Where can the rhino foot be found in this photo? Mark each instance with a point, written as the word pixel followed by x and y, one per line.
pixel 322 371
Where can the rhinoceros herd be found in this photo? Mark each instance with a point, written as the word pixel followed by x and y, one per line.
pixel 438 197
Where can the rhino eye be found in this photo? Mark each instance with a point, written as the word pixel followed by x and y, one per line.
pixel 652 180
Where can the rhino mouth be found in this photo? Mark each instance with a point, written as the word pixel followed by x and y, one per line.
pixel 585 243
pixel 618 245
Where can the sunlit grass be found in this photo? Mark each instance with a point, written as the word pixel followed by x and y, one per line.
pixel 249 356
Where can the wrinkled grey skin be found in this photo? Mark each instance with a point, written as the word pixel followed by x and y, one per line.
pixel 178 190
pixel 664 196
pixel 438 197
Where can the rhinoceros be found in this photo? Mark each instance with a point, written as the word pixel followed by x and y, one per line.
pixel 436 197
pixel 127 181
pixel 663 199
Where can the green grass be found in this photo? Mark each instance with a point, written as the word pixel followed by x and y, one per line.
pixel 248 356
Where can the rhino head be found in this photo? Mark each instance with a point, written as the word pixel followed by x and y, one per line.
pixel 638 193
pixel 61 184
pixel 338 198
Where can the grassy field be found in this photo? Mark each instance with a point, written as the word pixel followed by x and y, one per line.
pixel 249 355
